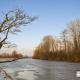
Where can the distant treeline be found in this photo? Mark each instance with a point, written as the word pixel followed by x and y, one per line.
pixel 14 54
pixel 64 48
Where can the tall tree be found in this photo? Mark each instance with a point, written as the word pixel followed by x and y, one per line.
pixel 47 42
pixel 64 33
pixel 73 30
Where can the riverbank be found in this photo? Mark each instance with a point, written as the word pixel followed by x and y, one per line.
pixel 58 56
pixel 4 75
pixel 63 59
pixel 2 60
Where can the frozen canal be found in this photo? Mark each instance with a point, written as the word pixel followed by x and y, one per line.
pixel 33 69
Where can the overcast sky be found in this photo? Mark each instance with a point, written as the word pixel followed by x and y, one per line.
pixel 53 18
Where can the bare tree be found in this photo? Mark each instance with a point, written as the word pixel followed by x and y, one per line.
pixel 74 31
pixel 59 44
pixel 64 33
pixel 79 40
pixel 47 42
pixel 11 23
pixel 14 54
pixel 53 45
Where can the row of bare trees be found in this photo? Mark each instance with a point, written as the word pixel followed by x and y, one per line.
pixel 14 54
pixel 66 48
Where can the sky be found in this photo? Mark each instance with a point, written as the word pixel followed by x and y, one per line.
pixel 53 16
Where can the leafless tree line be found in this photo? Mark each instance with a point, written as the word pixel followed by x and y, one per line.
pixel 66 48
pixel 14 54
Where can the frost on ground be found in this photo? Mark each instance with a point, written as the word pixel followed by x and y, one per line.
pixel 3 75
pixel 5 60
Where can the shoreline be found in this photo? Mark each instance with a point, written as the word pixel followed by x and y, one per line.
pixel 4 75
pixel 59 60
pixel 3 60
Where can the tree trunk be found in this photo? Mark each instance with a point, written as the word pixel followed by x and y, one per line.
pixel 0 44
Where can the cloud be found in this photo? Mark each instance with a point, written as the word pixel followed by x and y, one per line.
pixel 24 51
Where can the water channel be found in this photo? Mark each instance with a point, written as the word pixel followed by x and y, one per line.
pixel 34 69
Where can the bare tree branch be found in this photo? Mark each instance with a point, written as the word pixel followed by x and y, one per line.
pixel 5 37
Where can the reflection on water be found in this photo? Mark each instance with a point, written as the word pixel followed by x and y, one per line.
pixel 31 69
